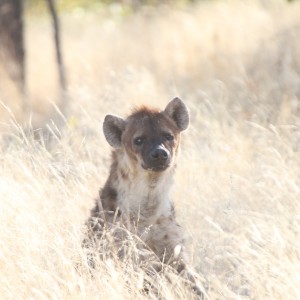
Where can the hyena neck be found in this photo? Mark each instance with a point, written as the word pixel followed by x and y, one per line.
pixel 141 194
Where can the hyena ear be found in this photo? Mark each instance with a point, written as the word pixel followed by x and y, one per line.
pixel 113 128
pixel 178 111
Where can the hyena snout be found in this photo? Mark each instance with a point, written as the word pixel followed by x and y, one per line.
pixel 159 154
pixel 158 158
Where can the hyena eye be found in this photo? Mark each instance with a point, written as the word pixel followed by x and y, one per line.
pixel 169 137
pixel 138 141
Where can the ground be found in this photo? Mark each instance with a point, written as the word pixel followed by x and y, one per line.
pixel 236 64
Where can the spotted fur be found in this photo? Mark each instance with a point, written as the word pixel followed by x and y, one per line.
pixel 136 194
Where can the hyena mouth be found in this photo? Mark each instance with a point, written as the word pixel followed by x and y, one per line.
pixel 157 168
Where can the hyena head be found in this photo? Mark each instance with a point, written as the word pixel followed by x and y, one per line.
pixel 149 137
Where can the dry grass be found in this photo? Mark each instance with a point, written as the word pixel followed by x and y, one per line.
pixel 237 191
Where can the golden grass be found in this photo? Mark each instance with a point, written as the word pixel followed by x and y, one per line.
pixel 237 66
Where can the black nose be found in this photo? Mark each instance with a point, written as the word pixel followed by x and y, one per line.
pixel 159 154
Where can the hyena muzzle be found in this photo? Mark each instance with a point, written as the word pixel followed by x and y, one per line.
pixel 136 196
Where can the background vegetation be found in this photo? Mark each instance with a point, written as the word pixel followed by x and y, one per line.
pixel 237 66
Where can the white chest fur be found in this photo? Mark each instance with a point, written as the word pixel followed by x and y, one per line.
pixel 144 196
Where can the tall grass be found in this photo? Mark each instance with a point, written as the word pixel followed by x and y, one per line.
pixel 237 66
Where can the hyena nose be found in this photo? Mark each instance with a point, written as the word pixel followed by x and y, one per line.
pixel 159 154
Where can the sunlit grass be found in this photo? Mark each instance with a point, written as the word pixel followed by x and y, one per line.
pixel 237 66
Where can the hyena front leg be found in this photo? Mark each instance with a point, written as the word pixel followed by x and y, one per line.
pixel 102 234
pixel 168 243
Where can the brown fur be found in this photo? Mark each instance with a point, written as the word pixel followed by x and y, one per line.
pixel 136 194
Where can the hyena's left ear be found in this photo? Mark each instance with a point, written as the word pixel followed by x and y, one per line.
pixel 113 128
pixel 178 111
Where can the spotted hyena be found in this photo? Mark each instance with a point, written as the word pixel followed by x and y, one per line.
pixel 136 195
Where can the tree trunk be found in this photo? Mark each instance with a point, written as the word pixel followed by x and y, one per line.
pixel 12 49
pixel 59 56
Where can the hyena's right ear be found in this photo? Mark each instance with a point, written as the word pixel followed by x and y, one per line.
pixel 113 128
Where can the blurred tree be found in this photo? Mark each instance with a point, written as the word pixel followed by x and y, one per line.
pixel 12 49
pixel 59 57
